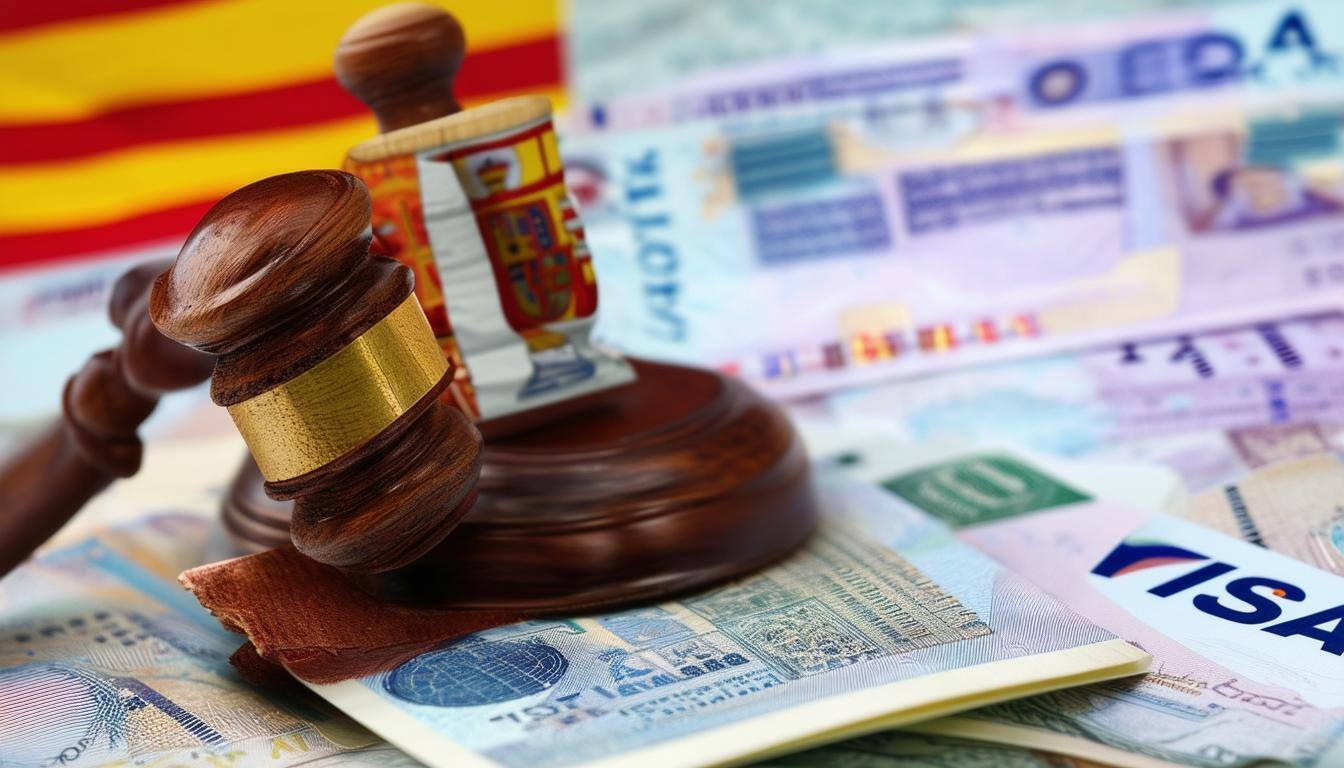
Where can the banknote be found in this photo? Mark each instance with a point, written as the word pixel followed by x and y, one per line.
pixel 378 756
pixel 1294 507
pixel 104 659
pixel 873 456
pixel 1262 446
pixel 1144 391
pixel 883 619
pixel 1244 672
pixel 1211 407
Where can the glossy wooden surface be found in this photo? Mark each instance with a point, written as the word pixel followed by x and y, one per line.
pixel 681 480
pixel 276 278
pixel 253 520
pixel 95 442
pixel 401 60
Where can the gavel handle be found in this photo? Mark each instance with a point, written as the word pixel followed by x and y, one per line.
pixel 40 489
pixel 46 482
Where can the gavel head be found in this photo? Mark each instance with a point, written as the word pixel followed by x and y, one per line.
pixel 327 366
pixel 400 60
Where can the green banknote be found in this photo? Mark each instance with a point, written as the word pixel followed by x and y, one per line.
pixel 981 488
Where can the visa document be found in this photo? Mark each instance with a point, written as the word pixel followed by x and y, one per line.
pixel 885 618
pixel 105 660
pixel 974 201
pixel 1246 642
pixel 808 279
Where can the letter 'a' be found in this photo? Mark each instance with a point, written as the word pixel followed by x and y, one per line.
pixel 1332 640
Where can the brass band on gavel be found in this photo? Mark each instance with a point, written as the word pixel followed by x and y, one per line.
pixel 343 401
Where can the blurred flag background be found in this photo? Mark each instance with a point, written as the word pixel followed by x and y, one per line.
pixel 120 123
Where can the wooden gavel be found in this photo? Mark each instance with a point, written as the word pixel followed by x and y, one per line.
pixel 674 481
pixel 331 372
pixel 326 363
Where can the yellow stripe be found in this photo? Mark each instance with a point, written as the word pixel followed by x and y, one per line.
pixel 74 70
pixel 110 187
pixel 117 185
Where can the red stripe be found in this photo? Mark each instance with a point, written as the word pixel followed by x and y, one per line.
pixel 32 248
pixel 288 106
pixel 21 14
pixel 534 64
pixel 514 67
pixel 531 64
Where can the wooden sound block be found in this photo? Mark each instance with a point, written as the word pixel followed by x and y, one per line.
pixel 253 520
pixel 681 480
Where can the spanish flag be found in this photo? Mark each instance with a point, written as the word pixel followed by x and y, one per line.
pixel 122 121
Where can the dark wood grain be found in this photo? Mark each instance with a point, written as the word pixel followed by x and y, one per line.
pixel 275 279
pixel 682 480
pixel 252 519
pixel 95 442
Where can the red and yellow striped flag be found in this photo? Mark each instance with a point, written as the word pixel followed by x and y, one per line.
pixel 122 122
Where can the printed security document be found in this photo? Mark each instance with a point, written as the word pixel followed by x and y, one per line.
pixel 883 619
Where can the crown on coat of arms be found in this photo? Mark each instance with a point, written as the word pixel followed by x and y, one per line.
pixel 493 173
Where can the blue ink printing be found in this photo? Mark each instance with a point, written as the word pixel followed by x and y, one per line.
pixel 476 672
